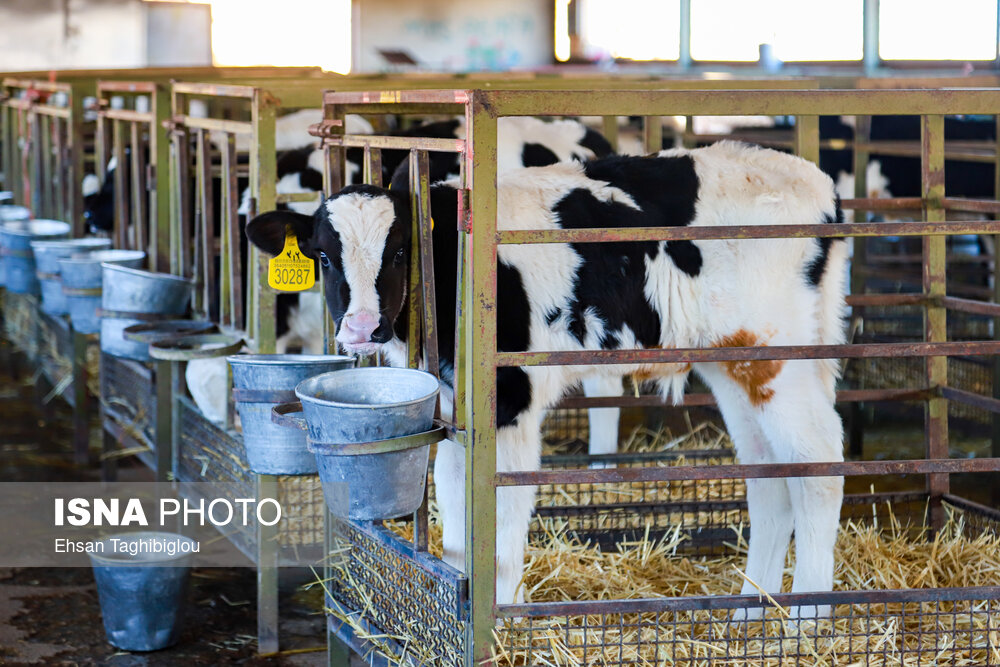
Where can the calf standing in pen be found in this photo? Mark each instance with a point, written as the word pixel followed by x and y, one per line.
pixel 677 294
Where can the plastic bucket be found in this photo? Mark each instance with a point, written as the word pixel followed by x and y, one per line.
pixel 142 595
pixel 15 251
pixel 82 279
pixel 47 256
pixel 261 381
pixel 371 430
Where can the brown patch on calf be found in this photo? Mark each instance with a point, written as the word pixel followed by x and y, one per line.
pixel 753 376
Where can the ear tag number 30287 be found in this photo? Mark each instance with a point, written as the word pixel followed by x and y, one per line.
pixel 291 271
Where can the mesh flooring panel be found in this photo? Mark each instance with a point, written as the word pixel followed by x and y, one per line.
pixel 417 597
pixel 208 453
pixel 20 319
pixel 128 396
pixel 912 628
pixel 55 353
pixel 946 626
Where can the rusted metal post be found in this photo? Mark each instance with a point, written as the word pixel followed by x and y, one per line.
pixel 856 413
pixel 935 316
pixel 263 178
pixel 481 457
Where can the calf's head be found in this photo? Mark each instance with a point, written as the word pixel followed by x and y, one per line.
pixel 361 239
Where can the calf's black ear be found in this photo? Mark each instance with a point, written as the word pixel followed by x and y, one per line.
pixel 267 231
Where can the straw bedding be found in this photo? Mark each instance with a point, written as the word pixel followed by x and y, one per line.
pixel 883 552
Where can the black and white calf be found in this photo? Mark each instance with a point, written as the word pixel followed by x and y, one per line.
pixel 623 296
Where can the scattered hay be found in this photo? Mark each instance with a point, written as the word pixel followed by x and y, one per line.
pixel 872 554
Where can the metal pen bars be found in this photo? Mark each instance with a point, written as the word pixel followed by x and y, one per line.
pixel 478 358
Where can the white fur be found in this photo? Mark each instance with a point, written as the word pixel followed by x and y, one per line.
pixel 207 380
pixel 305 325
pixel 562 137
pixel 757 286
pixel 363 224
pixel 91 185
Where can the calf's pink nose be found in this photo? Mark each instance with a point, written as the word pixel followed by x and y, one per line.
pixel 358 327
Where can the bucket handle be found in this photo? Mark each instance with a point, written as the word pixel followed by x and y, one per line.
pixel 281 415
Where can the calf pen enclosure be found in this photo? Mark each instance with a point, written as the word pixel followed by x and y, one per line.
pixel 389 595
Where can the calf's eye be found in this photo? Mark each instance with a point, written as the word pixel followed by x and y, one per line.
pixel 324 260
pixel 398 259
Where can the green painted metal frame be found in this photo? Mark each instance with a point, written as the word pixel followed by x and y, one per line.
pixel 43 146
pixel 147 204
pixel 479 358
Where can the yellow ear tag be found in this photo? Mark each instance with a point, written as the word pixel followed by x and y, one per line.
pixel 291 271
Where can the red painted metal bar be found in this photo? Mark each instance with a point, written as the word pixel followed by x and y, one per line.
pixel 745 471
pixel 971 205
pixel 625 234
pixel 971 306
pixel 777 352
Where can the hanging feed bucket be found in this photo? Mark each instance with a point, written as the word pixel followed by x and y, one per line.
pixel 15 247
pixel 6 197
pixel 131 296
pixel 371 430
pixel 10 214
pixel 260 381
pixel 81 279
pixel 142 596
pixel 47 256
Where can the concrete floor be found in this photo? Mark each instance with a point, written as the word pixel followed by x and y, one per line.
pixel 52 616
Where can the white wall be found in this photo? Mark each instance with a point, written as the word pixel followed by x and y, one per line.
pixel 39 34
pixel 467 35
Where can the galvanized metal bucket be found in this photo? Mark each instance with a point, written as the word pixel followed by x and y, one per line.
pixel 81 280
pixel 6 197
pixel 371 430
pixel 142 596
pixel 131 296
pixel 47 256
pixel 10 213
pixel 16 255
pixel 261 381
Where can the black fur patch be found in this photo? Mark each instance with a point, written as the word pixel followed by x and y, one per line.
pixel 816 268
pixel 611 281
pixel 537 155
pixel 513 395
pixel 596 142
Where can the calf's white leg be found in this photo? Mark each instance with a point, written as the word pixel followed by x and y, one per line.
pixel 603 421
pixel 518 448
pixel 802 425
pixel 768 502
pixel 449 484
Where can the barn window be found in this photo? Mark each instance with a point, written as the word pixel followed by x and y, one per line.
pixel 633 29
pixel 920 30
pixel 733 30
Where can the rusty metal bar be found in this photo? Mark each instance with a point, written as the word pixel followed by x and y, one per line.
pixel 856 229
pixel 971 398
pixel 213 89
pixel 971 205
pixel 746 471
pixel 140 226
pixel 860 300
pixel 777 352
pixel 971 306
pixel 121 209
pixel 932 165
pixel 215 124
pixel 883 203
pixel 127 115
pixel 729 602
pixel 707 400
pixel 396 143
pixel 420 180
